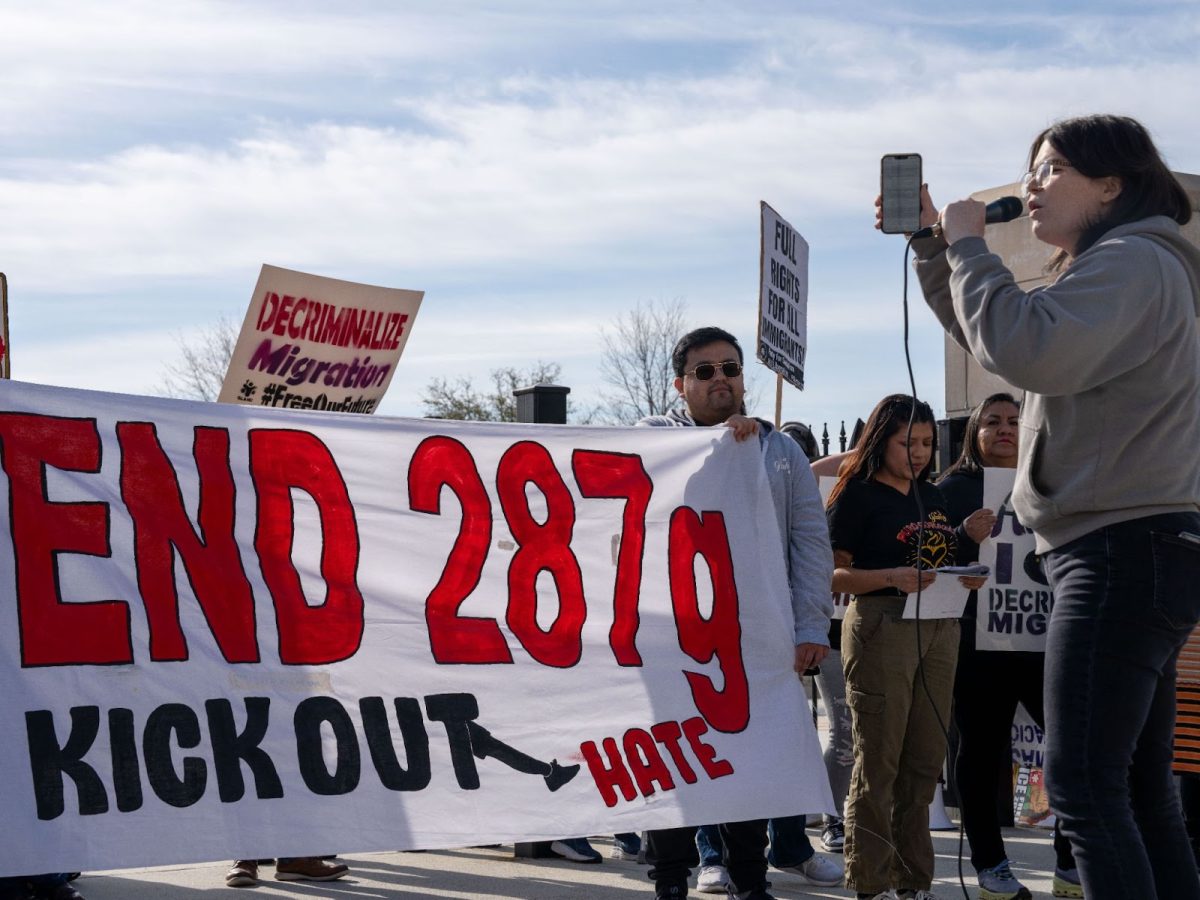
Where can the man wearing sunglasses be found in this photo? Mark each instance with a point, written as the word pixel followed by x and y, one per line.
pixel 708 376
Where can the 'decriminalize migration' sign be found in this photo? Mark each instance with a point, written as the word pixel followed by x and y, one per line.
pixel 311 342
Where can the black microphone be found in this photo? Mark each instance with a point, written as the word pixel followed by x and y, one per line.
pixel 1003 210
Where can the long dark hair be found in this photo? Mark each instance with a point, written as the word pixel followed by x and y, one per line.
pixel 890 415
pixel 970 460
pixel 1118 146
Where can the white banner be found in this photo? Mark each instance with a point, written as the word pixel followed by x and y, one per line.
pixel 236 632
pixel 783 298
pixel 1015 603
pixel 310 342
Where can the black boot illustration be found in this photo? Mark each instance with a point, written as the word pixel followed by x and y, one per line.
pixel 470 739
pixel 483 745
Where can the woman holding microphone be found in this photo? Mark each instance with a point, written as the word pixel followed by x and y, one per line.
pixel 1109 357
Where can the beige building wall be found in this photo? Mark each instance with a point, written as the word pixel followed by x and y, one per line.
pixel 967 383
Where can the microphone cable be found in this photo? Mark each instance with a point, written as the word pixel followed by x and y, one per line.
pixel 916 490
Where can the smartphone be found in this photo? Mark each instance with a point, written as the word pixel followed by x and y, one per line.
pixel 900 187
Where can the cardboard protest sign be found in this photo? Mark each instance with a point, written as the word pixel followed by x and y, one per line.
pixel 5 363
pixel 310 342
pixel 1015 604
pixel 783 298
pixel 1030 803
pixel 841 603
pixel 238 632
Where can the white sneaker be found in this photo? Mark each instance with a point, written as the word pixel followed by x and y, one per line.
pixel 819 870
pixel 713 880
pixel 576 850
pixel 918 895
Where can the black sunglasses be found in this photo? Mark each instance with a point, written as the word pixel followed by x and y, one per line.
pixel 705 371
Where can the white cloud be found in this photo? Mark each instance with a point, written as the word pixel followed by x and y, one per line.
pixel 501 157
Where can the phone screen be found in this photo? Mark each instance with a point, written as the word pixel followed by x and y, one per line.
pixel 900 186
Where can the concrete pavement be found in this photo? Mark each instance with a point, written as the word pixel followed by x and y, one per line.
pixel 493 874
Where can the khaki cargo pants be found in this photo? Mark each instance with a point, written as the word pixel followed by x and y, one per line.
pixel 899 745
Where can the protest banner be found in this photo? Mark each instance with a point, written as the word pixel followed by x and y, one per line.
pixel 1015 604
pixel 782 298
pixel 240 632
pixel 310 342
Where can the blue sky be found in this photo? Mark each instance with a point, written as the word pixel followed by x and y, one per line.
pixel 537 168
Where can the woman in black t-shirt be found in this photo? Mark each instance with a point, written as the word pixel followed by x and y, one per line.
pixel 989 684
pixel 899 674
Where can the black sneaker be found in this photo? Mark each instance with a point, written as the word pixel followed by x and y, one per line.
pixel 833 838
pixel 670 890
pixel 626 845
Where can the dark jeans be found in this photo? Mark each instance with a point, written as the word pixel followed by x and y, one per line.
pixel 671 853
pixel 988 685
pixel 1126 597
pixel 790 845
pixel 1189 796
pixel 17 887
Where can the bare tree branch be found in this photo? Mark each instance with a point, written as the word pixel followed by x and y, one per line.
pixel 199 371
pixel 636 362
pixel 458 399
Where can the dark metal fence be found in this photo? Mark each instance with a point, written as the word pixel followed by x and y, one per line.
pixel 949 432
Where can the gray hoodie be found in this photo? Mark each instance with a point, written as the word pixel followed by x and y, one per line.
pixel 802 527
pixel 1109 356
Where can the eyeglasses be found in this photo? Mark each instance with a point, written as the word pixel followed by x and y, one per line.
pixel 705 371
pixel 1040 175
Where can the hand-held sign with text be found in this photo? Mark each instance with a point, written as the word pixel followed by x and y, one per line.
pixel 233 631
pixel 1015 604
pixel 310 342
pixel 783 299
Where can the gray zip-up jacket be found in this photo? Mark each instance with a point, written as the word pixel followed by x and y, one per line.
pixel 802 527
pixel 1110 358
